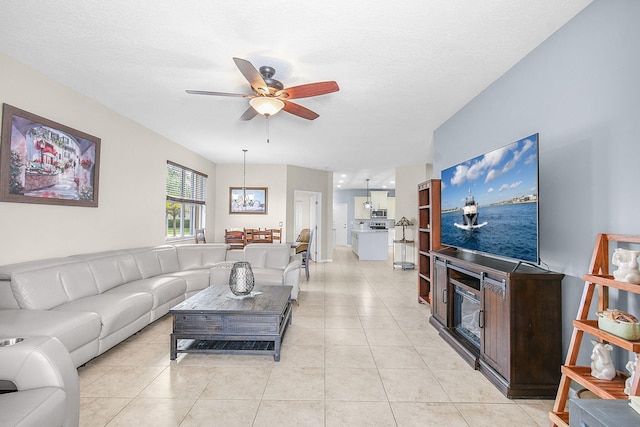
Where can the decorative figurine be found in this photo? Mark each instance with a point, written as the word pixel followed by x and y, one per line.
pixel 601 364
pixel 627 263
pixel 631 367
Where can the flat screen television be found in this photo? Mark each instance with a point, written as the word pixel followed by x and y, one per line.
pixel 490 203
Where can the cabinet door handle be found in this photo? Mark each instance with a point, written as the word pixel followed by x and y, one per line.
pixel 481 318
pixel 444 296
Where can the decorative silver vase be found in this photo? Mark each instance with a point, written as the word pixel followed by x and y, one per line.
pixel 241 279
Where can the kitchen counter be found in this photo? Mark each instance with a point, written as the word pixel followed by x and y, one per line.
pixel 370 245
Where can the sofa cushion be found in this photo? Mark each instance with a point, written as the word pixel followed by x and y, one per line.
pixel 73 329
pixel 268 276
pixel 219 273
pixel 196 280
pixel 7 299
pixel 114 270
pixel 192 257
pixel 7 271
pixel 268 255
pixel 163 288
pixel 234 255
pixel 38 289
pixel 49 287
pixel 279 256
pixel 116 310
pixel 156 260
pixel 256 254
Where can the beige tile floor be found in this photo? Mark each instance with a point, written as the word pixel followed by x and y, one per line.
pixel 360 352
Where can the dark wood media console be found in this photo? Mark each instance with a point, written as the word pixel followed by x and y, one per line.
pixel 502 317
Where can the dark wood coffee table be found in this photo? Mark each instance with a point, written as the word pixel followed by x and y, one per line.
pixel 213 322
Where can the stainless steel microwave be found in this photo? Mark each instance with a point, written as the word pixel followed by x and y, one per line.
pixel 379 213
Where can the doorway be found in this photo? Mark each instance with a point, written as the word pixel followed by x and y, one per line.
pixel 308 214
pixel 340 224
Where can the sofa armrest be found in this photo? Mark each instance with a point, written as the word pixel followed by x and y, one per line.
pixel 41 362
pixel 291 273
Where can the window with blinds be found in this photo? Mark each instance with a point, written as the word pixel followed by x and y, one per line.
pixel 185 185
pixel 186 201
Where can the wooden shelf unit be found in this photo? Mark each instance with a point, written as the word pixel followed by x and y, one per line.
pixel 428 235
pixel 598 279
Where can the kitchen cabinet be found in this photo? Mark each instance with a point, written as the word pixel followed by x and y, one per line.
pixel 359 212
pixel 355 242
pixel 370 245
pixel 391 208
pixel 379 199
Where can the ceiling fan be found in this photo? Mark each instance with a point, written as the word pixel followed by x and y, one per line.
pixel 270 96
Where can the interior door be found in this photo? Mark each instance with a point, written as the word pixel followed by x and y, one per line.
pixel 297 219
pixel 315 203
pixel 340 224
pixel 308 214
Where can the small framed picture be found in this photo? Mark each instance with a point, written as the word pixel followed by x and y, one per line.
pixel 249 200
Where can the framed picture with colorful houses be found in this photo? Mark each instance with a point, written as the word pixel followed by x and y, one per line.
pixel 42 161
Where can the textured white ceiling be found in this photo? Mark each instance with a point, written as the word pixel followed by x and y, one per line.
pixel 403 68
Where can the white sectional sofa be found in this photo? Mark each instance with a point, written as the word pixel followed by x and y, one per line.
pixel 91 302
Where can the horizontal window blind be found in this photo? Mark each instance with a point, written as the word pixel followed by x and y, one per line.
pixel 185 185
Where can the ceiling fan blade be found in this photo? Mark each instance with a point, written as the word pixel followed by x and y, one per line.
pixel 249 114
pixel 252 75
pixel 311 89
pixel 205 92
pixel 300 111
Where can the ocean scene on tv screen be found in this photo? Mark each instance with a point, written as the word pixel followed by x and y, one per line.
pixel 490 203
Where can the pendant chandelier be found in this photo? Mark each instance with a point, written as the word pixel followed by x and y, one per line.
pixel 367 204
pixel 244 178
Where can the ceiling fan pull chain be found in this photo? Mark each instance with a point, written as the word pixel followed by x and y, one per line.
pixel 267 116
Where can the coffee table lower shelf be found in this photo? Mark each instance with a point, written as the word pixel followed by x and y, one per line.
pixel 227 346
pixel 220 346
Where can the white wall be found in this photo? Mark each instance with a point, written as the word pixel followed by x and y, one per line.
pixel 304 179
pixel 407 180
pixel 579 90
pixel 131 208
pixel 273 177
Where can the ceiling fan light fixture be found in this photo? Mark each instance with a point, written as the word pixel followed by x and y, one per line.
pixel 265 105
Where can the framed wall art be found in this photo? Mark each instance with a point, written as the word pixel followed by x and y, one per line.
pixel 45 162
pixel 249 200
